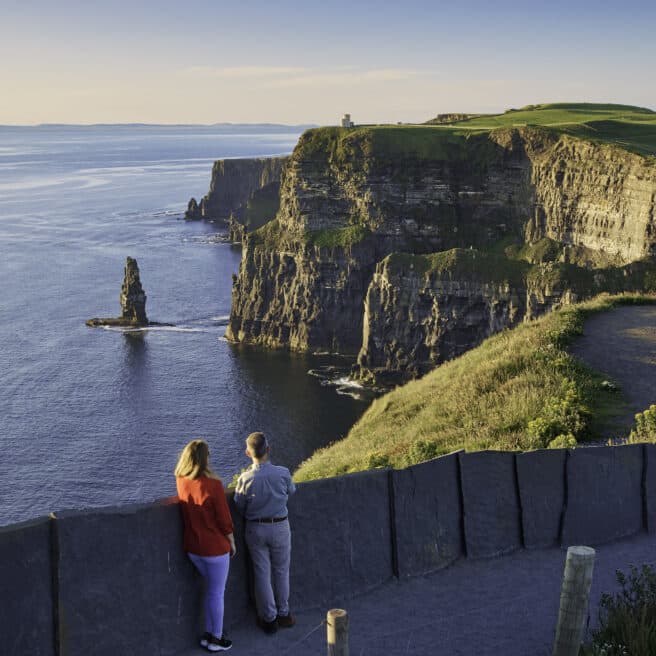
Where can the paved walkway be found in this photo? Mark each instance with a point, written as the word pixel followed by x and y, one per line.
pixel 621 343
pixel 497 607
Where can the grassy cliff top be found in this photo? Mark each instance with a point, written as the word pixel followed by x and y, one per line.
pixel 519 390
pixel 631 128
pixel 417 141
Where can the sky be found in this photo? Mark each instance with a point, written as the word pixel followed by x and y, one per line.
pixel 285 61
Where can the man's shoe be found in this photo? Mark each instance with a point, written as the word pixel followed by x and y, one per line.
pixel 286 621
pixel 267 627
pixel 205 638
pixel 218 644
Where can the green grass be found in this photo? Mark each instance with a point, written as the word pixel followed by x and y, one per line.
pixel 337 237
pixel 527 265
pixel 460 264
pixel 519 390
pixel 346 146
pixel 632 128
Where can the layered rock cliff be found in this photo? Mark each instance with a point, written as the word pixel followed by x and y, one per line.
pixel 316 277
pixel 245 189
pixel 421 310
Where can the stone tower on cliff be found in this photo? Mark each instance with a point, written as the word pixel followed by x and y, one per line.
pixel 133 298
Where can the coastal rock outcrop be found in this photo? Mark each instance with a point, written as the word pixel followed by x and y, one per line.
pixel 133 301
pixel 133 298
pixel 193 212
pixel 316 278
pixel 243 191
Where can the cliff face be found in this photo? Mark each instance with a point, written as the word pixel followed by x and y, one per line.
pixel 246 189
pixel 594 196
pixel 315 277
pixel 423 310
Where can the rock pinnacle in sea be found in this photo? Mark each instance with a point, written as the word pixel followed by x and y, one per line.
pixel 133 298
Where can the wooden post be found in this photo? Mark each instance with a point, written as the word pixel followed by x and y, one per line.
pixel 574 597
pixel 337 625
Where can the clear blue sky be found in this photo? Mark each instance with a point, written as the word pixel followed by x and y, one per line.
pixel 206 61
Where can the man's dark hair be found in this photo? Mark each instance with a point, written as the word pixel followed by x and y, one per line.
pixel 257 444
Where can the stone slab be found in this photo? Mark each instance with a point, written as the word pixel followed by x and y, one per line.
pixel 428 515
pixel 341 538
pixel 604 494
pixel 541 481
pixel 649 489
pixel 492 516
pixel 127 587
pixel 26 600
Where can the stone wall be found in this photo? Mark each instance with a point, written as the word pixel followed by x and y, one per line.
pixel 115 581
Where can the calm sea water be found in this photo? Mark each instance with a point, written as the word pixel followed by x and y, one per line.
pixel 92 417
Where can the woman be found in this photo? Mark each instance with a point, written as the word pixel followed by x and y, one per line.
pixel 208 538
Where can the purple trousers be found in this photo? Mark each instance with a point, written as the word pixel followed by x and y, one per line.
pixel 215 571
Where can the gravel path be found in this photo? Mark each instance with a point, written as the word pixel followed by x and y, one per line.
pixel 504 606
pixel 621 343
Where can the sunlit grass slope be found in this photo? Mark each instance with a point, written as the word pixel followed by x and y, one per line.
pixel 633 128
pixel 520 389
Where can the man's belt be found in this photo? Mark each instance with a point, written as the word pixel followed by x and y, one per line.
pixel 268 520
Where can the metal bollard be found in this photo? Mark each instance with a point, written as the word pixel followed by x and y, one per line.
pixel 574 597
pixel 337 629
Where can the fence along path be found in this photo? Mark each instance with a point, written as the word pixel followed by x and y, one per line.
pixel 115 581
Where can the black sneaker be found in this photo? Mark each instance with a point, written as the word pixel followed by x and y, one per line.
pixel 218 644
pixel 286 621
pixel 205 638
pixel 268 627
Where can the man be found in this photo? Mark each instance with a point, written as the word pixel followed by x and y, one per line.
pixel 261 497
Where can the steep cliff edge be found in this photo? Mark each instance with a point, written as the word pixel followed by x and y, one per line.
pixel 421 310
pixel 245 189
pixel 351 197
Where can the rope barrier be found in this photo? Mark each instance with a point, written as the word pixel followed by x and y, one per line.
pixel 304 638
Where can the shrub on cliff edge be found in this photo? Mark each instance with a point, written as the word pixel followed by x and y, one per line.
pixel 627 619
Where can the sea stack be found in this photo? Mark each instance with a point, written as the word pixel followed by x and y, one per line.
pixel 133 301
pixel 133 298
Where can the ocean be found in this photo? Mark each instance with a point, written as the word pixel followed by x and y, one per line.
pixel 95 417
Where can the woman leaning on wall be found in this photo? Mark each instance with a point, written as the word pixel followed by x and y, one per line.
pixel 208 534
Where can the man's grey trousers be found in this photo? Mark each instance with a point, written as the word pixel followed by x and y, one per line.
pixel 270 547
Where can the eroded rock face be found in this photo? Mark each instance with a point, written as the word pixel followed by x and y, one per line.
pixel 599 197
pixel 243 191
pixel 315 278
pixel 310 298
pixel 133 302
pixel 420 311
pixel 133 298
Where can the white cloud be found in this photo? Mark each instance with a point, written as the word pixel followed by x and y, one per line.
pixel 283 77
pixel 342 78
pixel 237 72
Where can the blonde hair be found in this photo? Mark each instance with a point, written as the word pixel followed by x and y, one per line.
pixel 194 461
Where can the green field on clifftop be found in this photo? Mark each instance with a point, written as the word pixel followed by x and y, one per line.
pixel 631 128
pixel 519 390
